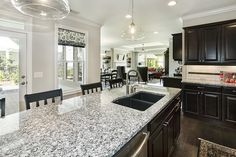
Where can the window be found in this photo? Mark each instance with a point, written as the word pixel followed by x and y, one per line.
pixel 70 67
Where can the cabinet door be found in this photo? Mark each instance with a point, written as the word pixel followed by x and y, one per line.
pixel 170 133
pixel 211 105
pixel 192 53
pixel 177 123
pixel 229 46
pixel 177 47
pixel 191 102
pixel 229 109
pixel 157 143
pixel 210 44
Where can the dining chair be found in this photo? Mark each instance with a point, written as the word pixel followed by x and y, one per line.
pixel 143 71
pixel 36 97
pixel 105 76
pixel 91 87
pixel 115 83
pixel 114 74
pixel 2 107
pixel 121 72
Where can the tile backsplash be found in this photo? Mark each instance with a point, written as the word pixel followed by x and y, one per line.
pixel 208 72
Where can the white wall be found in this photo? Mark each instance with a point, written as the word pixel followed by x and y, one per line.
pixel 43 55
pixel 172 63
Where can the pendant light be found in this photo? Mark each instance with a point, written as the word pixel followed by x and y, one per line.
pixel 44 9
pixel 133 33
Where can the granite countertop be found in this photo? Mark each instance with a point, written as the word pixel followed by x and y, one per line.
pixel 208 82
pixel 85 126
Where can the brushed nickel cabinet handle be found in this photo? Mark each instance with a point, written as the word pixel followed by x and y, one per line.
pixel 141 146
pixel 165 124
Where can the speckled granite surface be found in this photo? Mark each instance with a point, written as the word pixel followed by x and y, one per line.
pixel 86 126
pixel 209 82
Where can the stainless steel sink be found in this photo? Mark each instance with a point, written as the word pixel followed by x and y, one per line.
pixel 139 101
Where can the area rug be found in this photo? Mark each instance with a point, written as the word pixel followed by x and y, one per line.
pixel 210 149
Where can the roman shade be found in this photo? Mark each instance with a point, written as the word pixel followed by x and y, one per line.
pixel 71 38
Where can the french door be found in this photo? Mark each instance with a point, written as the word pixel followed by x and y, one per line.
pixel 13 76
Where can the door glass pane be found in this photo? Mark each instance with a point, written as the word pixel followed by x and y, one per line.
pixel 80 72
pixel 9 73
pixel 69 71
pixel 69 53
pixel 70 67
pixel 60 70
pixel 60 55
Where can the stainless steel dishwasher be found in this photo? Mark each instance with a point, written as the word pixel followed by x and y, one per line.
pixel 137 147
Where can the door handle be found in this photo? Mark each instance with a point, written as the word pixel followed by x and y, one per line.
pixel 141 146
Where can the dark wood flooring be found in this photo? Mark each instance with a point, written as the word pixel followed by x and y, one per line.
pixel 192 129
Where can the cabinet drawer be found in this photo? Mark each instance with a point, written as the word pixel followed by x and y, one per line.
pixel 208 88
pixel 193 87
pixel 213 89
pixel 231 91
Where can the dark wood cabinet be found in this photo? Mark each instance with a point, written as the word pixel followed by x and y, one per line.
pixel 211 105
pixel 201 100
pixel 165 131
pixel 157 143
pixel 228 42
pixel 191 101
pixel 211 44
pixel 177 46
pixel 192 52
pixel 174 82
pixel 210 102
pixel 229 105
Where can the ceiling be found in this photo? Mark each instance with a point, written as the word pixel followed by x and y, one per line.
pixel 150 15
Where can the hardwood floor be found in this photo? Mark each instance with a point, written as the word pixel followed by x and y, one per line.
pixel 192 129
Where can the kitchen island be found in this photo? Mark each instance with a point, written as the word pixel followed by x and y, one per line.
pixel 83 126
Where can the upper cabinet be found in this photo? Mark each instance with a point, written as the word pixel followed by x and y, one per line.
pixel 192 53
pixel 212 44
pixel 229 43
pixel 177 47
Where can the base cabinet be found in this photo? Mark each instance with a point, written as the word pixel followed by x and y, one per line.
pixel 229 106
pixel 211 102
pixel 211 105
pixel 163 139
pixel 157 143
pixel 191 102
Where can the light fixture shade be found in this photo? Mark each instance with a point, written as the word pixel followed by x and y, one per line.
pixel 137 35
pixel 45 9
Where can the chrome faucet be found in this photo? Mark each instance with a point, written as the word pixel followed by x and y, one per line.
pixel 133 87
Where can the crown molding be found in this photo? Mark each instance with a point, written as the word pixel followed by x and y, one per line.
pixel 210 12
pixel 83 20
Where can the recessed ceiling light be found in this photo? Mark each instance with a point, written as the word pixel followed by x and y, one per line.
pixel 155 32
pixel 172 3
pixel 128 16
